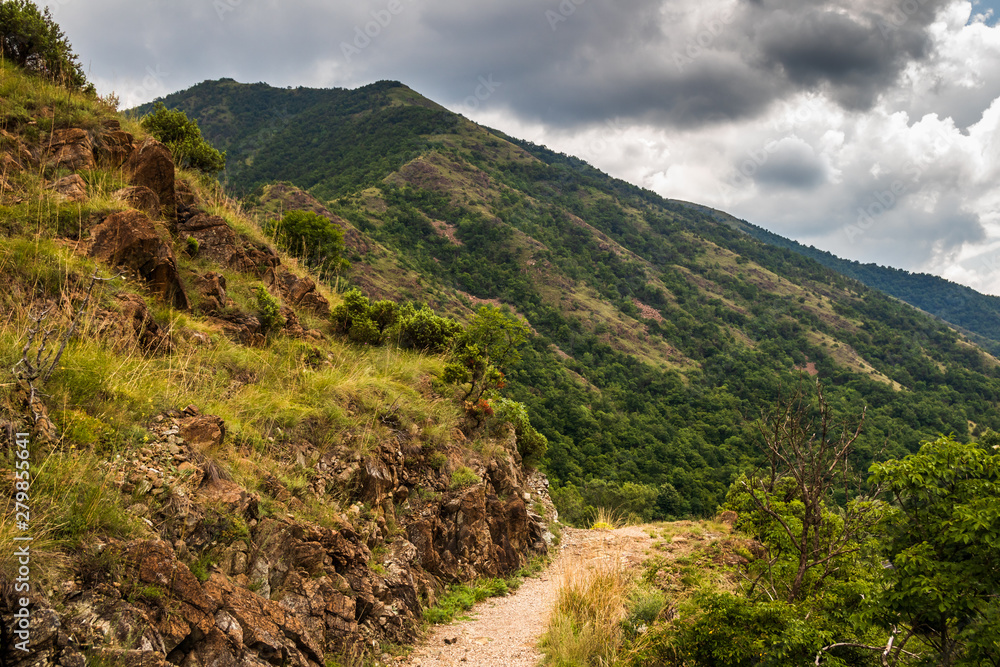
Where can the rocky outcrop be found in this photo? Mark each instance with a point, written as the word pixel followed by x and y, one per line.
pixel 72 188
pixel 139 197
pixel 295 290
pixel 113 146
pixel 130 240
pixel 71 149
pixel 151 165
pixel 217 241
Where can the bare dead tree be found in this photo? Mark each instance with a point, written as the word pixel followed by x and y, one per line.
pixel 803 442
pixel 44 347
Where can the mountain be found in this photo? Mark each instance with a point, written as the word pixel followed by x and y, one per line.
pixel 197 467
pixel 661 327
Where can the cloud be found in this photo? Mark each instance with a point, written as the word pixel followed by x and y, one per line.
pixel 798 115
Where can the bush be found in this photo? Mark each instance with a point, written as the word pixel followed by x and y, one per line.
pixel 421 329
pixel 31 39
pixel 268 311
pixel 414 328
pixel 463 477
pixel 183 137
pixel 531 444
pixel 311 237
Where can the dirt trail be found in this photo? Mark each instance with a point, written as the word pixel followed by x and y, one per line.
pixel 504 632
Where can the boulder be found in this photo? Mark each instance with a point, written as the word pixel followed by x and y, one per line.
pixel 135 319
pixel 114 146
pixel 70 149
pixel 295 290
pixel 139 197
pixel 151 165
pixel 217 241
pixel 212 292
pixel 129 239
pixel 72 187
pixel 202 431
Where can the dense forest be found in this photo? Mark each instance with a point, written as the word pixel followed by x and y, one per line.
pixel 660 332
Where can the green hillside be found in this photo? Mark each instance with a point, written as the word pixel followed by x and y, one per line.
pixel 660 329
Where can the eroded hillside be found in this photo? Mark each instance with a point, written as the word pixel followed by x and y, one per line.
pixel 216 477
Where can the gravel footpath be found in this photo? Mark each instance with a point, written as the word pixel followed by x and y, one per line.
pixel 504 632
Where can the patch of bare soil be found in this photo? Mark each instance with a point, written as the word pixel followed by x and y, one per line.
pixel 504 632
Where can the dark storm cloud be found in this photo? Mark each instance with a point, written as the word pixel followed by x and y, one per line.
pixel 568 62
pixel 790 164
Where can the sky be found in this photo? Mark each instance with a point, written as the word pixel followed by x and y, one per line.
pixel 868 128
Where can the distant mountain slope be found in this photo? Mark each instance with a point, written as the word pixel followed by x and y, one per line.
pixel 962 306
pixel 661 327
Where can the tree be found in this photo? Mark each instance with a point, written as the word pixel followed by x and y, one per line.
pixel 487 346
pixel 311 237
pixel 807 453
pixel 944 542
pixel 183 137
pixel 31 39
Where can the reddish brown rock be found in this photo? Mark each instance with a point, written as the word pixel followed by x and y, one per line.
pixel 204 431
pixel 72 187
pixel 212 292
pixel 217 241
pixel 295 290
pixel 130 240
pixel 152 166
pixel 139 197
pixel 135 319
pixel 114 147
pixel 70 149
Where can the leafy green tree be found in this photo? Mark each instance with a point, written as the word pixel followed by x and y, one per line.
pixel 488 345
pixel 313 238
pixel 30 38
pixel 183 137
pixel 945 547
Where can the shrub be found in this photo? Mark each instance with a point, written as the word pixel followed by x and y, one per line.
pixel 531 444
pixel 31 39
pixel 463 477
pixel 420 329
pixel 311 237
pixel 183 137
pixel 268 311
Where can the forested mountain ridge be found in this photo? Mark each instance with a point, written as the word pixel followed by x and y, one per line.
pixel 660 329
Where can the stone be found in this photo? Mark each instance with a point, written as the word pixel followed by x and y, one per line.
pixel 212 292
pixel 72 187
pixel 217 241
pixel 295 290
pixel 203 432
pixel 139 197
pixel 151 165
pixel 135 319
pixel 70 149
pixel 129 239
pixel 114 147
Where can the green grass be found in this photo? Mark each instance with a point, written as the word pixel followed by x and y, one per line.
pixel 460 598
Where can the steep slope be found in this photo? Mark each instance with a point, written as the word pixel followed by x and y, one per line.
pixel 660 328
pixel 206 473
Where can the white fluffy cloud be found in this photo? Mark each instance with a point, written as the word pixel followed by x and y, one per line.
pixel 864 127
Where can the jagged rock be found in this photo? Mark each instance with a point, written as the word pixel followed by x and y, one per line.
pixel 139 197
pixel 135 319
pixel 295 290
pixel 16 155
pixel 241 328
pixel 72 187
pixel 113 145
pixel 217 241
pixel 212 290
pixel 129 239
pixel 70 149
pixel 204 432
pixel 186 198
pixel 151 165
